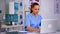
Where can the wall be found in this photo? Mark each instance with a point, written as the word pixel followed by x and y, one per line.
pixel 47 11
pixel 2 6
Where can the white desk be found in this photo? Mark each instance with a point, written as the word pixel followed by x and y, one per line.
pixel 34 33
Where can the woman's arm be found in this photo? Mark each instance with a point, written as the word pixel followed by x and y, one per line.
pixel 32 29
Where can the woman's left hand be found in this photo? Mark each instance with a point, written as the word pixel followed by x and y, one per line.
pixel 37 30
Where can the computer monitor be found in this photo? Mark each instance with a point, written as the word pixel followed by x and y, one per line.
pixel 11 18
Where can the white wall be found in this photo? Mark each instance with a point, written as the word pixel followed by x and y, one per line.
pixel 47 11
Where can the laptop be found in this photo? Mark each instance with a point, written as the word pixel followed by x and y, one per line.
pixel 48 25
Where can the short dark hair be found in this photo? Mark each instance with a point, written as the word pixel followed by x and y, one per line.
pixel 32 5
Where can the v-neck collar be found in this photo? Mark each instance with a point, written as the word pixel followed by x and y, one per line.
pixel 34 16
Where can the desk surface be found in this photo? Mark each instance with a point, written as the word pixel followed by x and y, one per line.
pixel 28 33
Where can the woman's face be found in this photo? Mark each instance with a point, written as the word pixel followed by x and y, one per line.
pixel 35 9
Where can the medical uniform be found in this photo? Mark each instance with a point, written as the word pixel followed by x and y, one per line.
pixel 34 22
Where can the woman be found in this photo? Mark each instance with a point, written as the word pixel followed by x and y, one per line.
pixel 33 20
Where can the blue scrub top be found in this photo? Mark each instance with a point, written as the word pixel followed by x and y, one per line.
pixel 34 22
